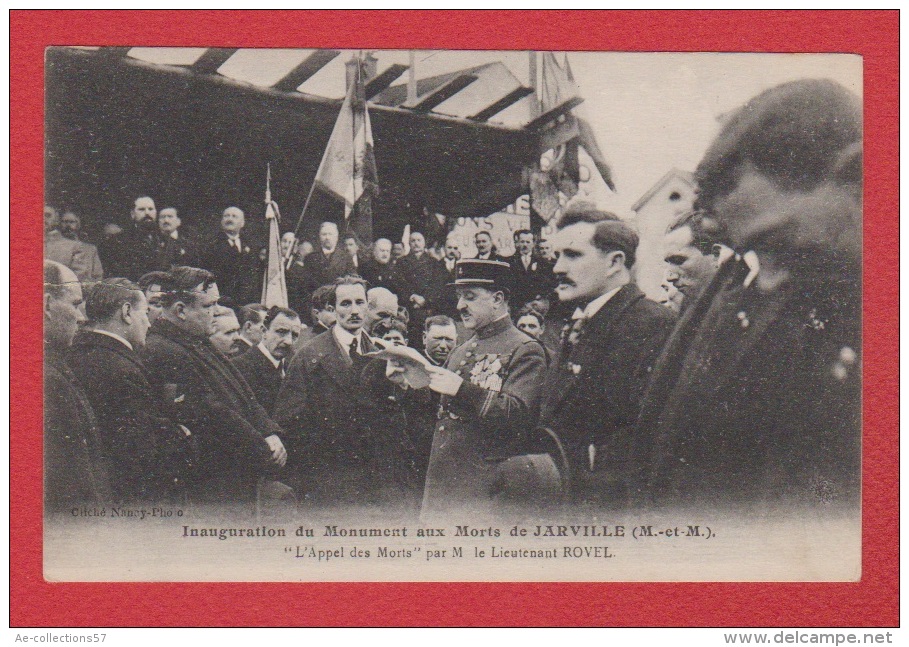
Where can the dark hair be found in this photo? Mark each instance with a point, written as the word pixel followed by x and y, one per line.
pixel 182 284
pixel 793 134
pixel 151 278
pixel 583 211
pixel 347 279
pixel 702 237
pixel 437 320
pixel 386 325
pixel 610 233
pixel 528 311
pixel 323 297
pixel 484 232
pixel 274 312
pixel 106 297
pixel 251 313
pixel 521 232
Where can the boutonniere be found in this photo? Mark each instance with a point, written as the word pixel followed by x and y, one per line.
pixel 533 266
pixel 575 368
pixel 246 250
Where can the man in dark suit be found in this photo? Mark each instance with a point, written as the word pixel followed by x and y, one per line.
pixel 233 259
pixel 419 285
pixel 532 275
pixel 756 400
pixel 486 251
pixel 378 270
pixel 183 248
pixel 594 388
pixel 329 416
pixel 263 366
pixel 329 261
pixel 238 441
pixel 76 472
pixel 151 457
pixel 251 319
pixel 141 247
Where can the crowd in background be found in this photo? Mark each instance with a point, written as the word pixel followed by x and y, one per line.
pixel 550 379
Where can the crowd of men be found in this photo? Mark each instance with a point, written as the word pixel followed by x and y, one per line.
pixel 547 378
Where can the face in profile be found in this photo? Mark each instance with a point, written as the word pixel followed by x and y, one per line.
pixel 478 306
pixel 197 313
pixel 225 333
pixel 397 250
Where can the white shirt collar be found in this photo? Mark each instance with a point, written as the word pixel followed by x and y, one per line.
pixel 274 362
pixel 594 306
pixel 175 234
pixel 750 259
pixel 115 336
pixel 345 338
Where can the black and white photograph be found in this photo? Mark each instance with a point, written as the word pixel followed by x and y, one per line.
pixel 451 315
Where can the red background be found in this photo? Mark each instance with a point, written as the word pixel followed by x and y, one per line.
pixel 871 602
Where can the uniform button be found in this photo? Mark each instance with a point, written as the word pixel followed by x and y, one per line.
pixel 441 427
pixel 469 354
pixel 463 362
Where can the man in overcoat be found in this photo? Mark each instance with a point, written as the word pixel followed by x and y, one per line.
pixel 756 400
pixel 238 441
pixel 76 472
pixel 337 452
pixel 594 388
pixel 264 365
pixel 151 457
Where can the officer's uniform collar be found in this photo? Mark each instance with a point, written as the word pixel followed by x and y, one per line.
pixel 498 326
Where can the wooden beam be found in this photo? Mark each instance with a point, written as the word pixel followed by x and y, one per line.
pixel 508 100
pixel 212 59
pixel 551 115
pixel 385 79
pixel 313 63
pixel 445 92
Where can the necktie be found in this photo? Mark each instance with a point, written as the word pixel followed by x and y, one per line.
pixel 355 349
pixel 571 332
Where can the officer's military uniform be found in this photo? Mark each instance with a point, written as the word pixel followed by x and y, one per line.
pixel 486 422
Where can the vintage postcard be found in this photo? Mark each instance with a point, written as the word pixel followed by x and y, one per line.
pixel 629 285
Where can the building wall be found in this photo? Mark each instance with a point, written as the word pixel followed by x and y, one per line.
pixel 672 200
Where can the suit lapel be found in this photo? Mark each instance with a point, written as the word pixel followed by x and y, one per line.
pixel 594 336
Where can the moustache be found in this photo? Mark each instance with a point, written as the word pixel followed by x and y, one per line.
pixel 564 280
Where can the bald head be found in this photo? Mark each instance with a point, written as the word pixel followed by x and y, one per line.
pixel 232 220
pixel 381 251
pixel 62 305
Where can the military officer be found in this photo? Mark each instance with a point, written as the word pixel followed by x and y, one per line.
pixel 490 388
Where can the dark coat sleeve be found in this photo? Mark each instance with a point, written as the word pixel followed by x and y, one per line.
pixel 152 454
pixel 196 404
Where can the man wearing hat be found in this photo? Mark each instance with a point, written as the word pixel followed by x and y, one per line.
pixel 490 388
pixel 594 387
pixel 756 400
